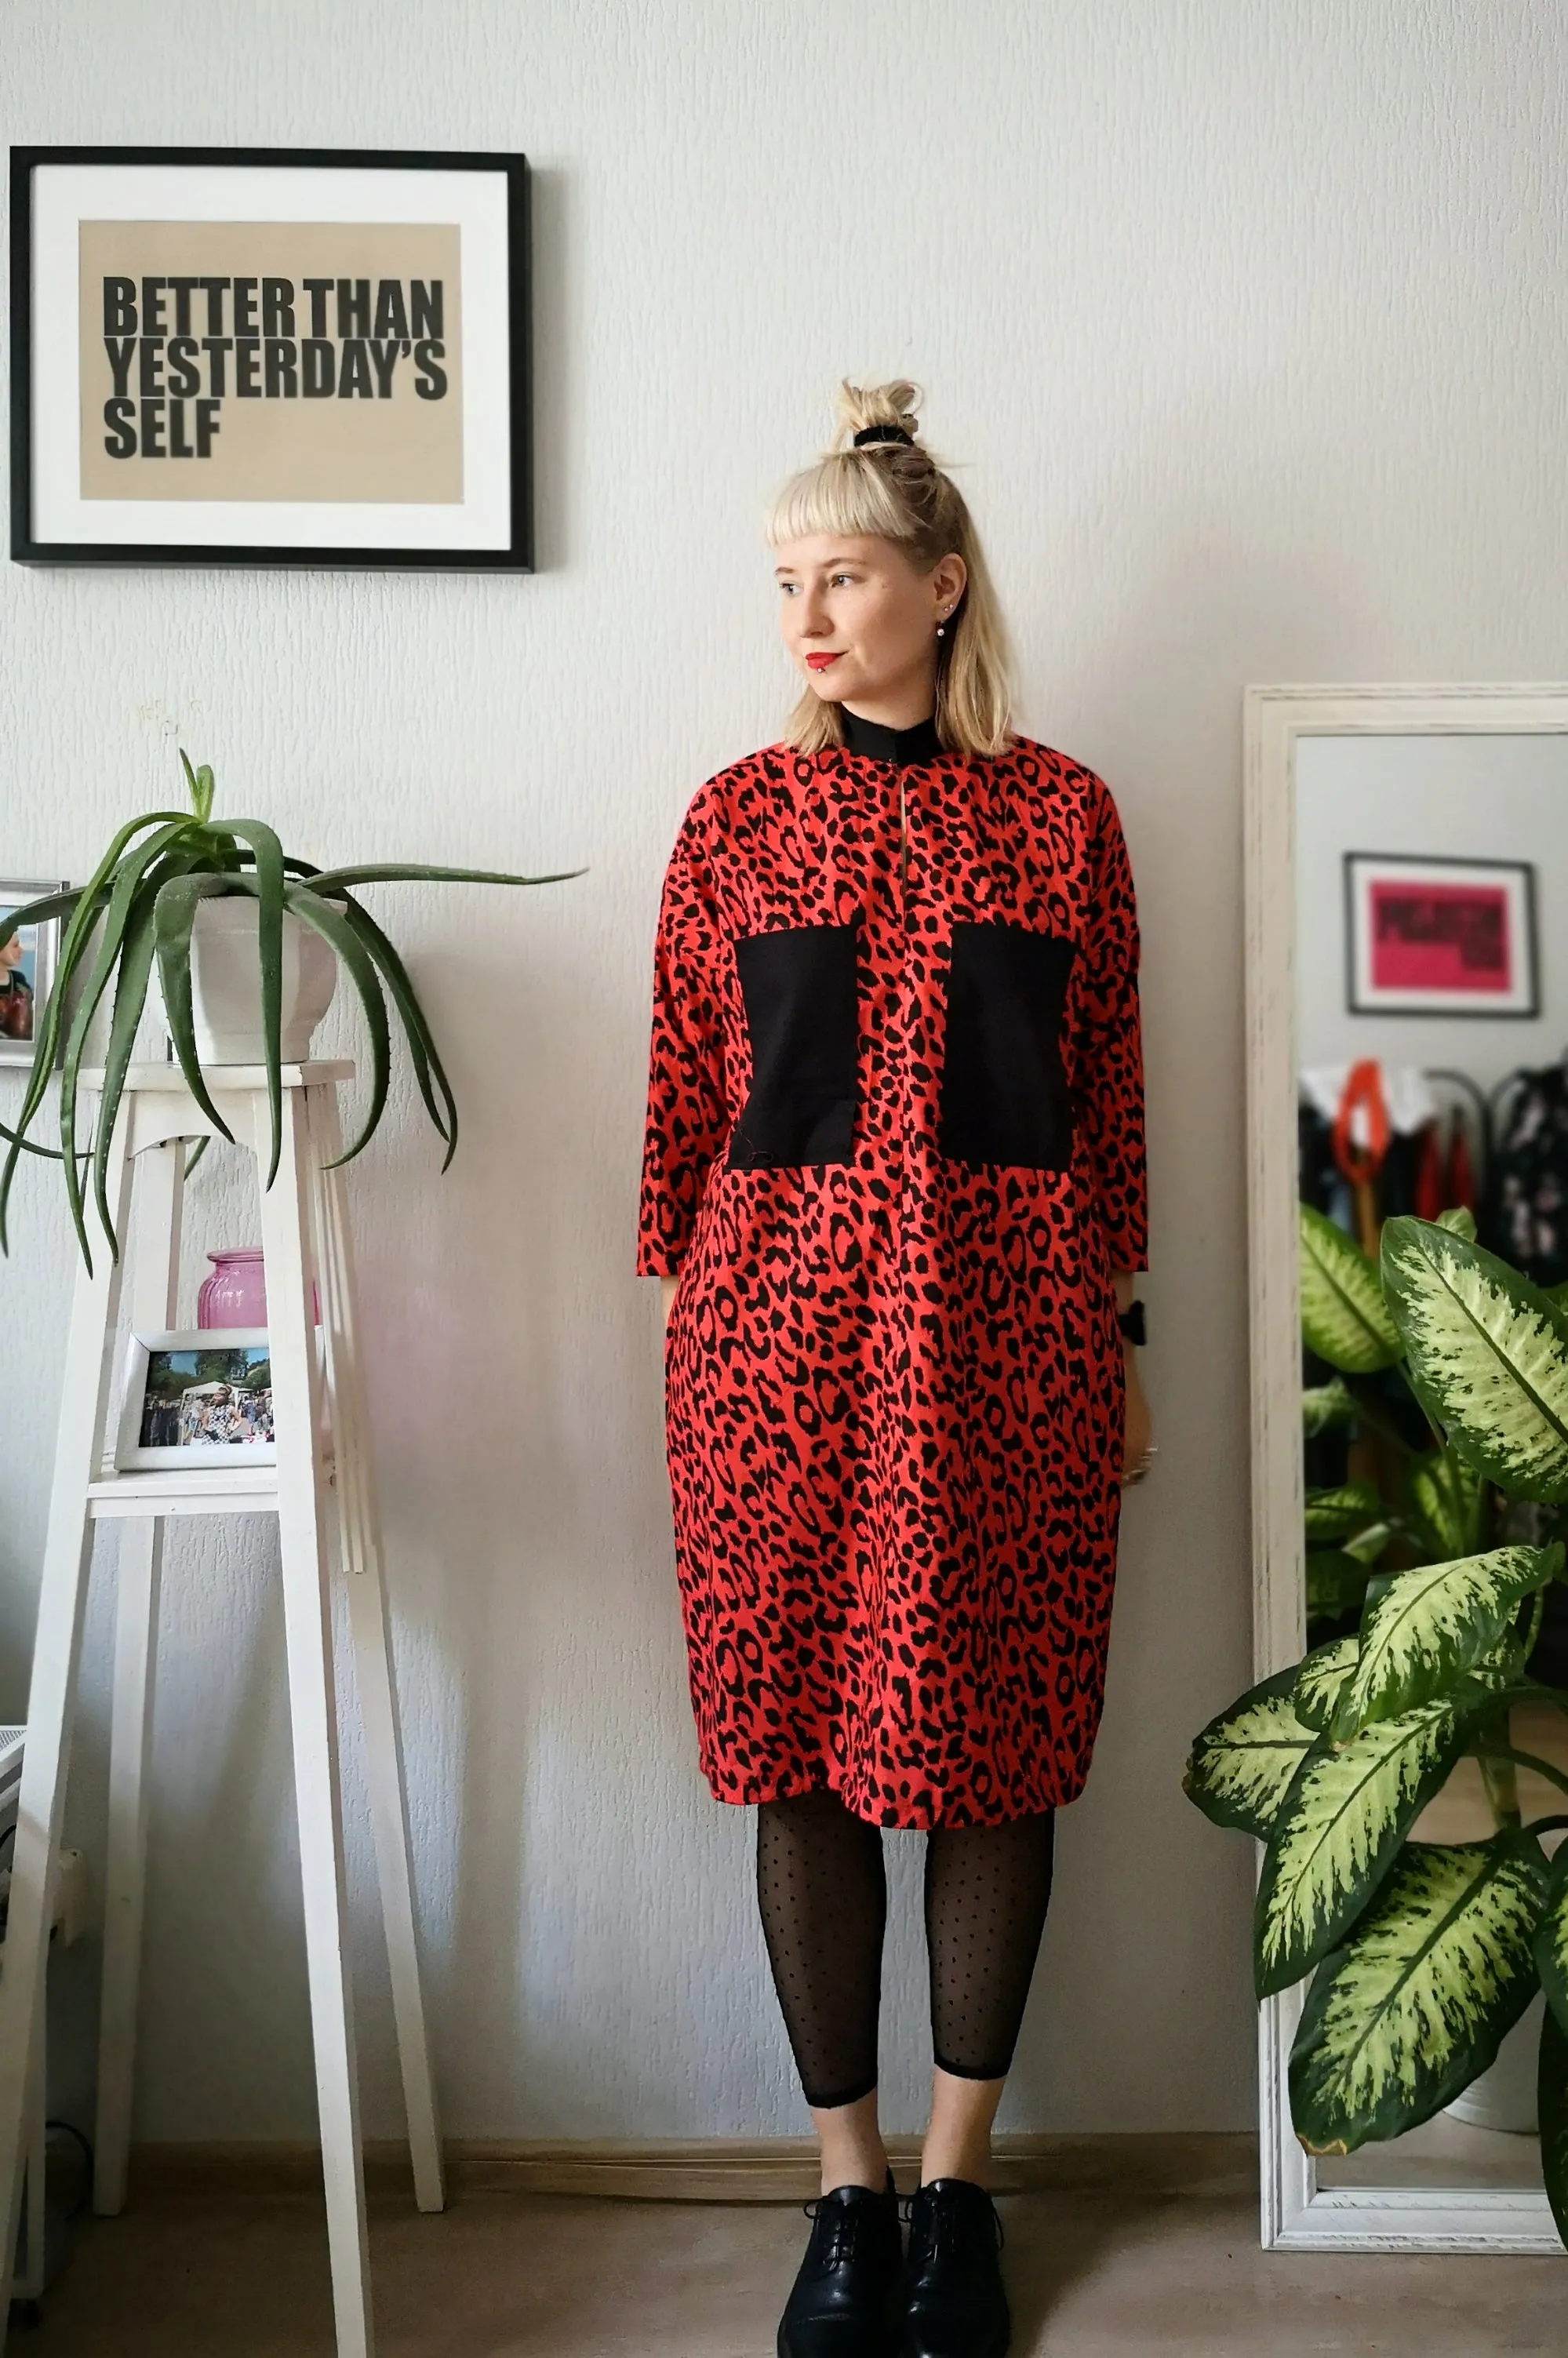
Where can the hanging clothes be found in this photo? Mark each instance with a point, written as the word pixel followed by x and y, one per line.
pixel 1525 1214
pixel 1361 1129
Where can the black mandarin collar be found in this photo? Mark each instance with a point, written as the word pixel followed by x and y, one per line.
pixel 905 748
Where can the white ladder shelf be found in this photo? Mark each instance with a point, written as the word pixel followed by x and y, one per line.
pixel 29 2282
pixel 316 1391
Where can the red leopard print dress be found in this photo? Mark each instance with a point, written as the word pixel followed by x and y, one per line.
pixel 895 1146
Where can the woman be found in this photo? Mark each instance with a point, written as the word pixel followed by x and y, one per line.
pixel 16 990
pixel 894 1184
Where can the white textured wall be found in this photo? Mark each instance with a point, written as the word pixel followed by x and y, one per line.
pixel 1245 319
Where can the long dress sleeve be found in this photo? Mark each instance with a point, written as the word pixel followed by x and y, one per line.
pixel 689 1115
pixel 1110 1053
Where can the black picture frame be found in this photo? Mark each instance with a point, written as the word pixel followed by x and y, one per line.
pixel 1427 1008
pixel 517 557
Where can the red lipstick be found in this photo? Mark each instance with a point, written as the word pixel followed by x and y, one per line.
pixel 820 662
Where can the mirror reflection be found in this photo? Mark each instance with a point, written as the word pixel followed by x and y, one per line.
pixel 1432 1019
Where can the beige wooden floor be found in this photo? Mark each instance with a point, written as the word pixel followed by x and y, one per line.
pixel 554 2276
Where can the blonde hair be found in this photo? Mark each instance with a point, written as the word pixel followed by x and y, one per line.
pixel 896 491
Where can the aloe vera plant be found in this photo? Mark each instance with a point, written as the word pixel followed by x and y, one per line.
pixel 138 906
pixel 1423 1954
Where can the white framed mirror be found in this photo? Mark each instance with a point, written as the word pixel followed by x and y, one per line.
pixel 1384 826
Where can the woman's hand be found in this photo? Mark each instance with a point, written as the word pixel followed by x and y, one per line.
pixel 668 1288
pixel 1138 1443
pixel 1140 1431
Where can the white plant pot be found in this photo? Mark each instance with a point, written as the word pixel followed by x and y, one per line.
pixel 225 983
pixel 1504 2095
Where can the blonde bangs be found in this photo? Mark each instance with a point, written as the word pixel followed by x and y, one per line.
pixel 839 494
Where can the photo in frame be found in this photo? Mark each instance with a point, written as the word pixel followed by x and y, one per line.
pixel 197 1397
pixel 27 957
pixel 270 357
pixel 1426 936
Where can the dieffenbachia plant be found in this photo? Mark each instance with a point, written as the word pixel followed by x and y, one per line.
pixel 139 904
pixel 1423 1954
pixel 1424 1505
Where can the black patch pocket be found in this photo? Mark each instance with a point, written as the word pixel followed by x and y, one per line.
pixel 1004 1094
pixel 799 990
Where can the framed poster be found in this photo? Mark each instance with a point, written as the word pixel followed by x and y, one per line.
pixel 28 956
pixel 1434 937
pixel 269 357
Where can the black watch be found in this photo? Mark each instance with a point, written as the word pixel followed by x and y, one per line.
pixel 1130 1322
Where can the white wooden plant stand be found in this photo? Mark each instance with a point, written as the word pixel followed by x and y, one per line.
pixel 321 1478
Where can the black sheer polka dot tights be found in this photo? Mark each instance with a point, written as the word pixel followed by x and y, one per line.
pixel 822 1889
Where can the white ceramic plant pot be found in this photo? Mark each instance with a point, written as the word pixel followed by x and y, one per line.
pixel 1504 2095
pixel 225 983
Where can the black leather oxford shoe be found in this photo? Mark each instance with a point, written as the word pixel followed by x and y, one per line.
pixel 841 2302
pixel 952 2298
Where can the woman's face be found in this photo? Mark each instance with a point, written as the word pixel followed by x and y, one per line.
pixel 11 952
pixel 861 622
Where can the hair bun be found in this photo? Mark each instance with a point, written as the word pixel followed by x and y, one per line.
pixel 864 406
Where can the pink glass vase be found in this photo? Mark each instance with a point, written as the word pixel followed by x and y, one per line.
pixel 235 1293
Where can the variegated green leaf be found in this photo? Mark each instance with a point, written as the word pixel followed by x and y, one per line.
pixel 1340 1827
pixel 1447 1495
pixel 1430 1626
pixel 1241 1766
pixel 1327 1408
pixel 1367 1546
pixel 1418 2000
pixel 1488 1355
pixel 1552 2105
pixel 1460 1220
pixel 1320 1678
pixel 1552 1940
pixel 1335 1585
pixel 1344 1317
pixel 1334 1514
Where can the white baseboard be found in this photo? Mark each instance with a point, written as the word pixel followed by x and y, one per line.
pixel 701 2170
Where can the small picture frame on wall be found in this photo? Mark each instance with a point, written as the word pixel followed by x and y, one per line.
pixel 27 957
pixel 200 1397
pixel 1426 936
pixel 258 356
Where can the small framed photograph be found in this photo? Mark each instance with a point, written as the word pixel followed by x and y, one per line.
pixel 27 957
pixel 270 356
pixel 1434 936
pixel 198 1398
